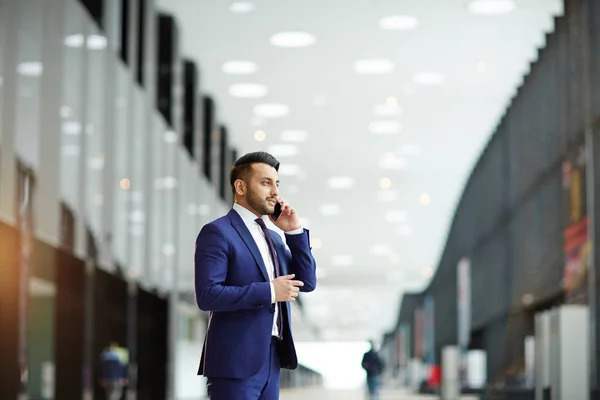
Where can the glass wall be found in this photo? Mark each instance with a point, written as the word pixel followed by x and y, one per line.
pixel 72 107
pixel 139 167
pixel 121 170
pixel 30 71
pixel 94 148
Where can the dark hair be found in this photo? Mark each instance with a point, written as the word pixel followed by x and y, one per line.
pixel 242 166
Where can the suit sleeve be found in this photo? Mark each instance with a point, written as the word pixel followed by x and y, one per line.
pixel 302 262
pixel 211 262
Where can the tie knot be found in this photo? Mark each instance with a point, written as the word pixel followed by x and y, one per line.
pixel 260 222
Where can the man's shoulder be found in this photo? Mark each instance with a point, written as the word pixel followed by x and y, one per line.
pixel 219 226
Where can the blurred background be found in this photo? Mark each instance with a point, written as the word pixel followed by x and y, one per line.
pixel 443 154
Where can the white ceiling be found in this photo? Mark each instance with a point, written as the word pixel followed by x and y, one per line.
pixel 444 127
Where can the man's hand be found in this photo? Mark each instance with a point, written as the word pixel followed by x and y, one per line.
pixel 286 289
pixel 288 220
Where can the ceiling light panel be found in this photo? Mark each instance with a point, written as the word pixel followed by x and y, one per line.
pixel 491 7
pixel 289 170
pixel 294 135
pixel 248 90
pixel 429 78
pixel 239 67
pixel 373 66
pixel 385 127
pixel 330 209
pixel 342 260
pixel 241 7
pixel 341 182
pixel 293 39
pixel 271 110
pixel 283 150
pixel 399 22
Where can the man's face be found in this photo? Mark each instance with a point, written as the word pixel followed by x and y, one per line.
pixel 262 189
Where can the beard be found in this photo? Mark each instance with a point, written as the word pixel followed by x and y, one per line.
pixel 261 205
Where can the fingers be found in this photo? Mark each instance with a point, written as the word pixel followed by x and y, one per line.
pixel 297 283
pixel 286 209
pixel 287 277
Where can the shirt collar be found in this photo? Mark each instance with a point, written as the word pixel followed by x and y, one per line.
pixel 247 216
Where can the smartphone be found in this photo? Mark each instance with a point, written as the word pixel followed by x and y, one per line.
pixel 277 212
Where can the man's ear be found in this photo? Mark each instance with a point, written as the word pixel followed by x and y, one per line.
pixel 240 187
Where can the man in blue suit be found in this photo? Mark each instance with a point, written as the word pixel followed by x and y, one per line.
pixel 245 276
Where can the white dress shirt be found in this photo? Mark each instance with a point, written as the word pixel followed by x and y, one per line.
pixel 261 242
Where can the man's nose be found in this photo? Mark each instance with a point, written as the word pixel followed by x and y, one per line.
pixel 275 192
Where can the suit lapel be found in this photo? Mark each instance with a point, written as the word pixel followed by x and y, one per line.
pixel 246 236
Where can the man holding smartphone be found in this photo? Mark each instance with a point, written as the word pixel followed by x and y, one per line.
pixel 245 277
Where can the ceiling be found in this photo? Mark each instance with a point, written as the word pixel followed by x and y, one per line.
pixel 381 242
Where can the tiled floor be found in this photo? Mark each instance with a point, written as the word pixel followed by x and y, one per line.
pixel 320 394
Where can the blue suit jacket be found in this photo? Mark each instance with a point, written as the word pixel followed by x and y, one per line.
pixel 231 282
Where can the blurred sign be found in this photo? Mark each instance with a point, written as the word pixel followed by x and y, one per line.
pixel 577 241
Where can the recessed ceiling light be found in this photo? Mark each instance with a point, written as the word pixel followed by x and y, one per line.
pixel 238 67
pixel 385 183
pixel 289 170
pixel 329 209
pixel 260 135
pixel 387 195
pixel 391 101
pixel 125 184
pixel 380 250
pixel 425 199
pixel 316 243
pixel 241 7
pixel 491 7
pixel 342 260
pixel 96 42
pixel 386 110
pixel 429 78
pixel 74 41
pixel 394 216
pixel 399 22
pixel 283 150
pixel 373 66
pixel 170 136
pixel 293 39
pixel 32 68
pixel 294 135
pixel 341 182
pixel 270 110
pixel 385 127
pixel 248 90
